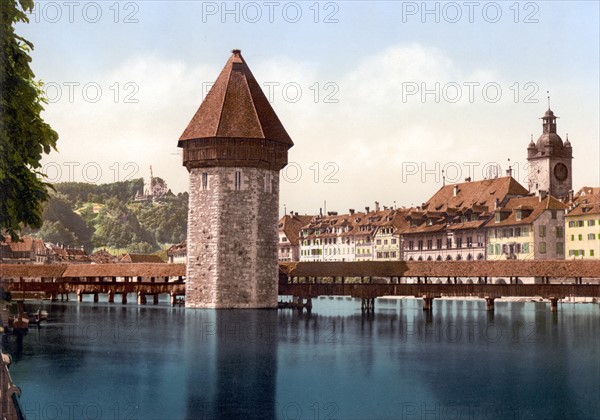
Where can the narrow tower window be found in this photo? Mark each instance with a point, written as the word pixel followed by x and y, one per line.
pixel 268 182
pixel 238 180
pixel 204 181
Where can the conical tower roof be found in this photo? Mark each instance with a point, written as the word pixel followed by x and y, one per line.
pixel 236 107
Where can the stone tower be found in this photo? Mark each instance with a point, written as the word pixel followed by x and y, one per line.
pixel 233 148
pixel 550 161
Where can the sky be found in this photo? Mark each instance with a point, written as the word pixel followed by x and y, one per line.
pixel 385 101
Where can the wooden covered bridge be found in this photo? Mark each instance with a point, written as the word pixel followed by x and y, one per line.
pixel 489 280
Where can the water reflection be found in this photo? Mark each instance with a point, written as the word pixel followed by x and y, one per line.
pixel 458 361
pixel 243 347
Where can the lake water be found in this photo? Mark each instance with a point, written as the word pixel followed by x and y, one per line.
pixel 113 361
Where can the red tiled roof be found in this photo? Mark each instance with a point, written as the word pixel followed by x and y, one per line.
pixel 236 107
pixel 476 193
pixel 585 204
pixel 291 226
pixel 141 258
pixel 537 206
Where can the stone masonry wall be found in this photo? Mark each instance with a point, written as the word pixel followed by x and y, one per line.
pixel 232 239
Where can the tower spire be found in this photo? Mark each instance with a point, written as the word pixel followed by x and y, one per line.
pixel 548 92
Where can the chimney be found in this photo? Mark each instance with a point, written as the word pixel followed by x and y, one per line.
pixel 543 194
pixel 497 203
pixel 571 192
pixel 455 190
pixel 296 214
pixel 367 208
pixel 351 211
pixel 377 206
pixel 468 179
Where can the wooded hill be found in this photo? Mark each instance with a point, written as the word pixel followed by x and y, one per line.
pixel 106 216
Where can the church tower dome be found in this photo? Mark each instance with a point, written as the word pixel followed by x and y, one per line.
pixel 550 160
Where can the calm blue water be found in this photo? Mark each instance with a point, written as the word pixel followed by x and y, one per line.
pixel 101 361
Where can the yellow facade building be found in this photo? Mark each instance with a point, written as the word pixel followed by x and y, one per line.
pixel 582 225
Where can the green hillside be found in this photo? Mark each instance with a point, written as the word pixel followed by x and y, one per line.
pixel 106 216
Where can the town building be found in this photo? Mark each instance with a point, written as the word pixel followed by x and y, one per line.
pixel 450 225
pixel 26 251
pixel 582 225
pixel 352 236
pixel 177 254
pixel 527 228
pixel 550 161
pixel 233 149
pixel 140 258
pixel 61 254
pixel 102 256
pixel 290 225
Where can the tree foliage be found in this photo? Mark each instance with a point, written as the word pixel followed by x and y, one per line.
pixel 24 136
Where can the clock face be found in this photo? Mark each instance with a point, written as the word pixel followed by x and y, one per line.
pixel 560 171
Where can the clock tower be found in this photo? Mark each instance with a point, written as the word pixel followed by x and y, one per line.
pixel 550 161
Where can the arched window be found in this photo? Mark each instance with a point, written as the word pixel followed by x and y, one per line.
pixel 448 258
pixel 458 257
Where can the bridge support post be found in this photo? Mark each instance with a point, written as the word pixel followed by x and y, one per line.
pixel 79 295
pixel 427 303
pixel 141 298
pixel 489 303
pixel 111 296
pixel 95 297
pixel 367 305
pixel 53 297
pixel 124 298
pixel 173 299
pixel 554 304
pixel 155 298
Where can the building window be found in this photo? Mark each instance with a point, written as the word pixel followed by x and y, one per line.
pixel 438 244
pixel 385 241
pixel 204 180
pixel 580 237
pixel 497 249
pixel 469 241
pixel 268 182
pixel 498 217
pixel 430 244
pixel 591 236
pixel 591 222
pixel 542 247
pixel 542 231
pixel 591 252
pixel 491 249
pixel 553 214
pixel 420 245
pixel 238 180
pixel 378 241
pixel 525 248
pixel 449 243
pixel 580 223
pixel 519 214
pixel 411 245
pixel 571 224
pixel 459 242
pixel 393 241
pixel 559 231
pixel 560 249
pixel 517 231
